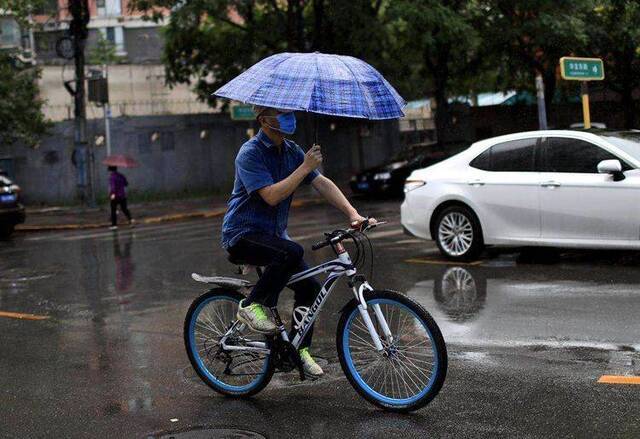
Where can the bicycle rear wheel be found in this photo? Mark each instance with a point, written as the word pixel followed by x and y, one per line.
pixel 410 370
pixel 238 373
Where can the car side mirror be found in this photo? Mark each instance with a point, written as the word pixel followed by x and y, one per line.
pixel 613 167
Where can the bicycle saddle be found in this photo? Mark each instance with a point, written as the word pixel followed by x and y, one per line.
pixel 243 267
pixel 236 261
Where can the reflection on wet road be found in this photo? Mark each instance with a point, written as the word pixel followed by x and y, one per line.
pixel 567 304
pixel 524 336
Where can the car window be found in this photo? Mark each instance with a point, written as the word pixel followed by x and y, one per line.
pixel 574 155
pixel 513 156
pixel 482 161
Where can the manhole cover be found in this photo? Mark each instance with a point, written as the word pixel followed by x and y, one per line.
pixel 209 433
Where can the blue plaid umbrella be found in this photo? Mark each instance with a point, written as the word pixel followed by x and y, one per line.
pixel 326 84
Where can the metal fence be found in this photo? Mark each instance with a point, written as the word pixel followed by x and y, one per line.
pixel 154 107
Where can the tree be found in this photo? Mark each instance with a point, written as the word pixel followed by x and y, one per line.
pixel 614 36
pixel 208 42
pixel 21 118
pixel 103 53
pixel 442 40
pixel 532 36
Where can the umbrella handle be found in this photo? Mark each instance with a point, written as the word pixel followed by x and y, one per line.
pixel 315 129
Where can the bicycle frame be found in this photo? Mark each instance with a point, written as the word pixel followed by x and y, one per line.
pixel 336 268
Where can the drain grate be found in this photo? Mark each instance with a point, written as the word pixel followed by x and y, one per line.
pixel 208 433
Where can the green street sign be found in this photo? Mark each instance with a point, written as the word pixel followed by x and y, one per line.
pixel 581 69
pixel 242 112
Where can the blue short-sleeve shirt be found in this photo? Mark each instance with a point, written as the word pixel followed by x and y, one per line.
pixel 260 164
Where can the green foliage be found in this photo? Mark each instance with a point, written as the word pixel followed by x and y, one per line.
pixel 103 53
pixel 21 9
pixel 614 36
pixel 21 118
pixel 440 48
pixel 208 42
pixel 442 41
pixel 530 38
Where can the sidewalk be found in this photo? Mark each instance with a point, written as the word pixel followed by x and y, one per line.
pixel 77 218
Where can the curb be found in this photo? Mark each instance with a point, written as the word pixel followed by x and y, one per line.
pixel 213 213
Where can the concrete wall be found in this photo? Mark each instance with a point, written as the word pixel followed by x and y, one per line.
pixel 190 153
pixel 134 90
pixel 142 45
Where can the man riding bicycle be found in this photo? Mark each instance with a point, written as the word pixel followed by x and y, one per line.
pixel 268 170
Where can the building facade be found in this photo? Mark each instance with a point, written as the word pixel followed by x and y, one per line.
pixel 136 81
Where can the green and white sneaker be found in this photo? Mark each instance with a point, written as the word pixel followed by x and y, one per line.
pixel 256 318
pixel 309 365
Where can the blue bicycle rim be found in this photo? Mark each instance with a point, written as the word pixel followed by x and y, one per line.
pixel 203 369
pixel 346 350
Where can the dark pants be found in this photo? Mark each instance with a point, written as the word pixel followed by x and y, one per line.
pixel 123 207
pixel 282 259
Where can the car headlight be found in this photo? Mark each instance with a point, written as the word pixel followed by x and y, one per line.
pixel 382 176
pixel 354 178
pixel 410 185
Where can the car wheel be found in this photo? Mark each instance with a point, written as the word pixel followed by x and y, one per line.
pixel 460 293
pixel 458 234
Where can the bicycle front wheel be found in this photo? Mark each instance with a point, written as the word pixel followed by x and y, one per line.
pixel 230 372
pixel 411 368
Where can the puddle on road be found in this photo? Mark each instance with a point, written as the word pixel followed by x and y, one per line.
pixel 208 433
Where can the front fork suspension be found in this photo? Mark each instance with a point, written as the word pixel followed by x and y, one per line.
pixel 364 313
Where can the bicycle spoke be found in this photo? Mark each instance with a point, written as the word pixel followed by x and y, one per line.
pixel 234 368
pixel 405 366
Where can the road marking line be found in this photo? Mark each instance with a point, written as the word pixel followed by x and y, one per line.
pixel 437 262
pixel 22 316
pixel 619 379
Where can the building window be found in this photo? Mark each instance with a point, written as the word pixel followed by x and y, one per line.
pixel 10 34
pixel 116 36
pixel 109 8
pixel 114 7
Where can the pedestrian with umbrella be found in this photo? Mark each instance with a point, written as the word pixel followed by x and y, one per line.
pixel 117 187
pixel 270 167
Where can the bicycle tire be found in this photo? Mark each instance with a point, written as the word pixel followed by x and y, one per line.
pixel 197 363
pixel 435 384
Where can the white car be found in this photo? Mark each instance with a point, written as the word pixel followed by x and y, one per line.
pixel 541 188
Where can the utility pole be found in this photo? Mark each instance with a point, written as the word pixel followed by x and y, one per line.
pixel 107 112
pixel 84 156
pixel 542 109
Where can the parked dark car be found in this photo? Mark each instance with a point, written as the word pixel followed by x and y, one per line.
pixel 11 211
pixel 388 179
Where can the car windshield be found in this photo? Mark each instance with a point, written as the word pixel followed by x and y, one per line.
pixel 629 142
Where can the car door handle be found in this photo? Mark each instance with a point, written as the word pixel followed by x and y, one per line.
pixel 475 183
pixel 550 183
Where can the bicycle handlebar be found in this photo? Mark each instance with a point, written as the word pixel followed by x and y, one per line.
pixel 319 245
pixel 339 235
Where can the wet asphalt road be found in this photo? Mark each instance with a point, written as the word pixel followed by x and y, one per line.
pixel 528 338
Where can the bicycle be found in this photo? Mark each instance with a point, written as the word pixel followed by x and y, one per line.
pixel 390 348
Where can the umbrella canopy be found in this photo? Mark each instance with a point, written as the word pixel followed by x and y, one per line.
pixel 121 161
pixel 320 83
